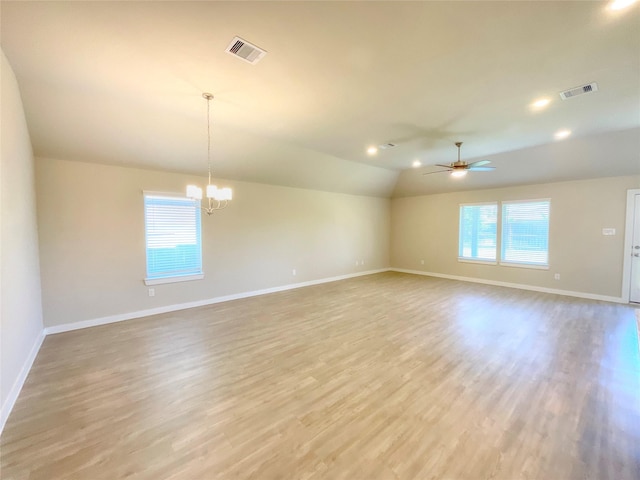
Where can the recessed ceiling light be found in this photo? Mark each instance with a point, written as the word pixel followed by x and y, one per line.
pixel 560 134
pixel 620 4
pixel 458 173
pixel 540 103
pixel 416 163
pixel 372 150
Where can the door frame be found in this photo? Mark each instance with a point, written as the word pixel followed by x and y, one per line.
pixel 628 236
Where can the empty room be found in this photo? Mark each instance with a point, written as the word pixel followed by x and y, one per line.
pixel 320 240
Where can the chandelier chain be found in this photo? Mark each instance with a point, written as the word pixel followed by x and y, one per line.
pixel 209 138
pixel 216 198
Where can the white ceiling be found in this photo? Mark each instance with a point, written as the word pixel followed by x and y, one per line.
pixel 121 83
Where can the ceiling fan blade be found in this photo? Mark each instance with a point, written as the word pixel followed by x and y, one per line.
pixel 480 163
pixel 481 169
pixel 437 171
pixel 443 166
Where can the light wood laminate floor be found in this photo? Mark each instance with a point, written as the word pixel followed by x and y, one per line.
pixel 388 376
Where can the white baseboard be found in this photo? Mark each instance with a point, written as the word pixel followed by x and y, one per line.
pixel 520 286
pixel 24 372
pixel 18 384
pixel 67 327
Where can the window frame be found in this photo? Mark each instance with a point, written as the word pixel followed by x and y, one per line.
pixel 511 263
pixel 480 261
pixel 172 278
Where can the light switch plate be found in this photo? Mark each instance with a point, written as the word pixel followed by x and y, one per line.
pixel 608 231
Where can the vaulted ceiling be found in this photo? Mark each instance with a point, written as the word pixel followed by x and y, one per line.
pixel 122 82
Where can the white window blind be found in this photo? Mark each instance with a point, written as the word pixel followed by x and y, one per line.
pixel 478 232
pixel 173 237
pixel 525 232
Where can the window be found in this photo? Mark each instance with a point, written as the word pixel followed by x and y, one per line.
pixel 173 239
pixel 478 232
pixel 525 233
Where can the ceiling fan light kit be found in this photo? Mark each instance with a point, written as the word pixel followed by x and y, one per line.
pixel 217 198
pixel 459 168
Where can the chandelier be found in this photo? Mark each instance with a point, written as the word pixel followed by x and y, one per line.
pixel 217 198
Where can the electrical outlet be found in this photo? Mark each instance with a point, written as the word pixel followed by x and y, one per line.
pixel 152 292
pixel 421 262
pixel 361 262
pixel 357 263
pixel 557 276
pixel 294 272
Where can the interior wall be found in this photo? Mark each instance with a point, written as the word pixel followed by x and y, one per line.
pixel 426 228
pixel 92 243
pixel 21 308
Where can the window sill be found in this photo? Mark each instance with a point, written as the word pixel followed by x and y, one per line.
pixel 524 265
pixel 183 278
pixel 481 262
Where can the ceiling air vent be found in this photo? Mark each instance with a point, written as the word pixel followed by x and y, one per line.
pixel 574 92
pixel 384 146
pixel 246 51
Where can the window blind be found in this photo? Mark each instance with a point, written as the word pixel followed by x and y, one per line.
pixel 173 236
pixel 525 232
pixel 478 232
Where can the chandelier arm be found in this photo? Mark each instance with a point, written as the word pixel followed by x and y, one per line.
pixel 219 205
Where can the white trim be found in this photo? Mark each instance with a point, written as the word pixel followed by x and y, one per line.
pixel 531 200
pixel 152 193
pixel 495 202
pixel 199 303
pixel 10 401
pixel 183 278
pixel 628 233
pixel 67 327
pixel 519 286
pixel 535 266
pixel 474 260
pixel 26 367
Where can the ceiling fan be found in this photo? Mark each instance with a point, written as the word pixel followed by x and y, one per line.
pixel 460 168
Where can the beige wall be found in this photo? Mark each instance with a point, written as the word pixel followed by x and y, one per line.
pixel 21 320
pixel 426 228
pixel 92 238
pixel 92 247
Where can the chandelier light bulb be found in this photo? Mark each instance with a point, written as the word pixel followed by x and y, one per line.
pixel 194 192
pixel 212 191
